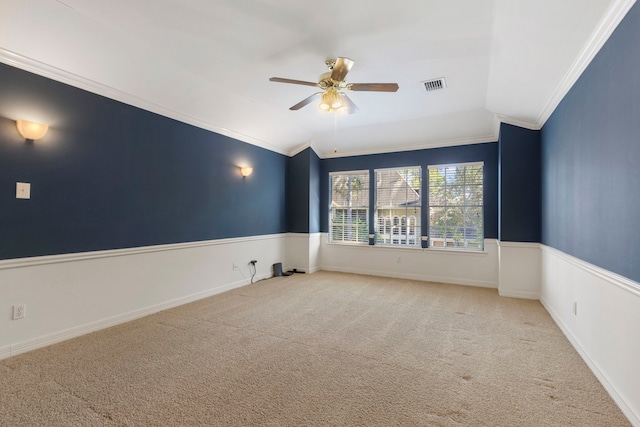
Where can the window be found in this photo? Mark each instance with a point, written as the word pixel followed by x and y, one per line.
pixel 349 216
pixel 398 206
pixel 455 206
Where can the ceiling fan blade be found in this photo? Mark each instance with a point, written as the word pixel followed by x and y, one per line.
pixel 350 105
pixel 306 101
pixel 341 68
pixel 295 82
pixel 373 87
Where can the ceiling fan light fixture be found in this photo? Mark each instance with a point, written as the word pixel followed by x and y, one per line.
pixel 325 102
pixel 337 101
pixel 331 100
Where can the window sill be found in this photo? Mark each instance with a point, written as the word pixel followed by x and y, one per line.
pixel 351 244
pixel 456 251
pixel 448 251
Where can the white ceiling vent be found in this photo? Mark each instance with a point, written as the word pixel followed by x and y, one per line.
pixel 435 84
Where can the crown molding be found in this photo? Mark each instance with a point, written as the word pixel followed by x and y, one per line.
pixel 300 148
pixel 36 67
pixel 599 37
pixel 519 122
pixel 481 139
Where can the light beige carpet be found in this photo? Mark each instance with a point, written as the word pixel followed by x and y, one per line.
pixel 320 349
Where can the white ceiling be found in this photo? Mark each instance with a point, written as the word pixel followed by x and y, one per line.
pixel 208 62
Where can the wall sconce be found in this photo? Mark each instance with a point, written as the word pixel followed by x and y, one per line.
pixel 246 171
pixel 31 130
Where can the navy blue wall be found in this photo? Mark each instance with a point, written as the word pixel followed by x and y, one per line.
pixel 108 175
pixel 519 184
pixel 591 159
pixel 298 192
pixel 314 193
pixel 487 152
pixel 303 192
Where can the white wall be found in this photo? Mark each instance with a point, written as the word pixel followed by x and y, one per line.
pixel 434 265
pixel 519 270
pixel 599 312
pixel 303 252
pixel 70 295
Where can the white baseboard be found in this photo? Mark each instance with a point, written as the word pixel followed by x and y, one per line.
pixel 519 294
pixel 471 268
pixel 452 280
pixel 74 294
pixel 303 251
pixel 598 311
pixel 519 270
pixel 59 336
pixel 307 271
pixel 599 373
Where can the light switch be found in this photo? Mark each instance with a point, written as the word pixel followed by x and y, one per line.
pixel 23 190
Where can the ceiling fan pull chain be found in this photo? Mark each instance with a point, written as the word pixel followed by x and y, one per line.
pixel 335 131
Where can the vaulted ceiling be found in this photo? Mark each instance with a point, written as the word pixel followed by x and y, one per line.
pixel 208 63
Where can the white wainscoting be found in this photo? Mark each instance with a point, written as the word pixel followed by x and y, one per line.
pixel 434 265
pixel 519 270
pixel 71 295
pixel 599 312
pixel 303 252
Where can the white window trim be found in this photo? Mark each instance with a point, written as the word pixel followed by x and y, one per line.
pixel 463 248
pixel 368 207
pixel 448 165
pixel 418 239
pixel 358 172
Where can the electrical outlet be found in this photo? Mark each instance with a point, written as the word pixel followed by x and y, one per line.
pixel 19 311
pixel 399 260
pixel 235 266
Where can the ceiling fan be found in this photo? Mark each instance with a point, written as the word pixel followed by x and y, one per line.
pixel 332 97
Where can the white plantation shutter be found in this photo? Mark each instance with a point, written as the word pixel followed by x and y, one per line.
pixel 349 207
